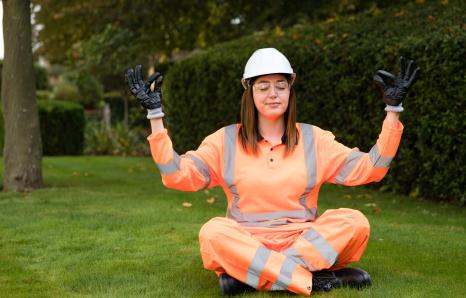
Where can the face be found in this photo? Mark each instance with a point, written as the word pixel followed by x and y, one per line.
pixel 271 95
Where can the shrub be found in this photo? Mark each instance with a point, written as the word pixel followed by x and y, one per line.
pixel 43 95
pixel 335 62
pixel 90 90
pixel 62 127
pixel 117 105
pixel 65 90
pixel 79 87
pixel 115 140
pixel 42 80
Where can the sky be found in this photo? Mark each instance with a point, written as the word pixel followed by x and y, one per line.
pixel 1 30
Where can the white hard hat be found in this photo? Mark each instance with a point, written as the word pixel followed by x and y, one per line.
pixel 266 61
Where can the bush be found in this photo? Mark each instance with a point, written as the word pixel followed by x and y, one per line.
pixel 43 95
pixel 65 90
pixel 115 140
pixel 42 80
pixel 335 62
pixel 90 90
pixel 117 105
pixel 81 88
pixel 62 127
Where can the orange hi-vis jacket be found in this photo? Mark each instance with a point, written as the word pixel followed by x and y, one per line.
pixel 271 189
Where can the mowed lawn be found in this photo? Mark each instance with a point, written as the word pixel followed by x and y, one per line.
pixel 106 227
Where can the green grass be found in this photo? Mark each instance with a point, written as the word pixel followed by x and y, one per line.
pixel 106 227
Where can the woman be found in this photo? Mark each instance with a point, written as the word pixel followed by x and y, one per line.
pixel 271 169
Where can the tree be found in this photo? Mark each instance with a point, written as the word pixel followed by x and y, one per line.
pixel 105 37
pixel 22 151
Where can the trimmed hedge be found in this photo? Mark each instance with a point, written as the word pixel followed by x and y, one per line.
pixel 335 62
pixel 62 127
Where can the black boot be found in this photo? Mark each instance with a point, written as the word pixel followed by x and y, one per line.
pixel 325 280
pixel 231 286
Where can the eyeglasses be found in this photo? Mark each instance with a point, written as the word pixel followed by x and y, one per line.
pixel 281 87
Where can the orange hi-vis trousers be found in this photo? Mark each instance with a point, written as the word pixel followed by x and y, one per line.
pixel 283 258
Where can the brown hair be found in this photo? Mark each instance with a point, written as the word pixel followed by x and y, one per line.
pixel 249 129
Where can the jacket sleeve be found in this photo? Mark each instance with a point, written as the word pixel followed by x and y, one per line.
pixel 342 165
pixel 192 171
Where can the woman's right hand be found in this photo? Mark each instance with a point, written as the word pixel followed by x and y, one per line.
pixel 150 100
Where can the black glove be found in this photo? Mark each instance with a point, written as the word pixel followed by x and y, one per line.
pixel 394 89
pixel 151 100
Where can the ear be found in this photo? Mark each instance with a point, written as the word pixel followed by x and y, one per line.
pixel 245 83
pixel 293 77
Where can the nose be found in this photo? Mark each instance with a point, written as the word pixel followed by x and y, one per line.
pixel 274 91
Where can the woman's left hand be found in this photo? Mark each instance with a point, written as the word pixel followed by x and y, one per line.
pixel 394 89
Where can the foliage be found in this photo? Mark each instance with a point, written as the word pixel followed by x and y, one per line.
pixel 66 90
pixel 335 61
pixel 44 94
pixel 90 90
pixel 42 80
pixel 62 127
pixel 106 37
pixel 115 140
pixel 106 227
pixel 79 87
pixel 117 105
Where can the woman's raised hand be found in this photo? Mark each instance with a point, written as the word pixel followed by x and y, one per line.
pixel 394 88
pixel 150 100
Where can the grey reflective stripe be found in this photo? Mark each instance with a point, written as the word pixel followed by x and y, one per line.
pixel 351 161
pixel 263 224
pixel 322 246
pixel 263 216
pixel 229 158
pixel 170 167
pixel 377 160
pixel 285 277
pixel 202 168
pixel 293 254
pixel 257 266
pixel 311 213
pixel 307 135
pixel 269 219
pixel 276 287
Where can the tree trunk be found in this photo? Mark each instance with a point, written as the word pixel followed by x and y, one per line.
pixel 22 152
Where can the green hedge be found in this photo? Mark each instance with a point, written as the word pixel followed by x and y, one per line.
pixel 62 127
pixel 335 62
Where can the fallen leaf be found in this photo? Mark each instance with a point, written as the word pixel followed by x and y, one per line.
pixel 377 210
pixel 211 200
pixel 187 204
